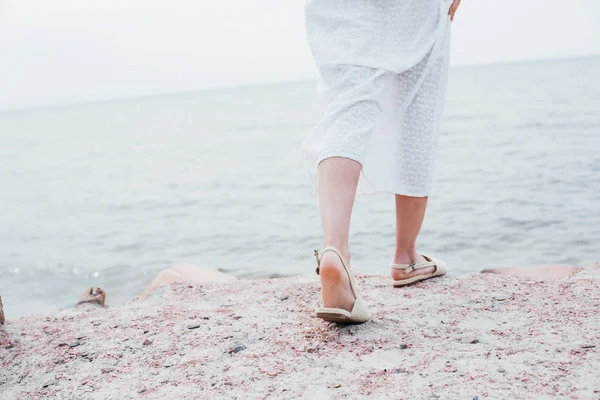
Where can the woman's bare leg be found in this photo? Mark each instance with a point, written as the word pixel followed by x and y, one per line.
pixel 338 179
pixel 410 212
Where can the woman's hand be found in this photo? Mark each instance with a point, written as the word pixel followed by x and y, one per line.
pixel 452 10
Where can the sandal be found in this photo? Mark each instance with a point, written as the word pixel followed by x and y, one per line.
pixel 440 270
pixel 359 313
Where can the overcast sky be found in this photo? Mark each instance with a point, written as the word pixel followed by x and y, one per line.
pixel 64 51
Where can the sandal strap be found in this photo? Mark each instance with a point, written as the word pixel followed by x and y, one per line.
pixel 334 250
pixel 408 268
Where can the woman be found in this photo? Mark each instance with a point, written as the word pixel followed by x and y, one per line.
pixel 383 67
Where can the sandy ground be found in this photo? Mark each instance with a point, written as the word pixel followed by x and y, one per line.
pixel 478 336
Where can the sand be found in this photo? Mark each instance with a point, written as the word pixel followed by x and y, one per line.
pixel 476 336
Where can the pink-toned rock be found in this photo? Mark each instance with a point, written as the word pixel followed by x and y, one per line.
pixel 458 337
pixel 97 298
pixel 539 273
pixel 187 273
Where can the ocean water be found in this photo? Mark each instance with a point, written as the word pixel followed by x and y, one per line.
pixel 108 194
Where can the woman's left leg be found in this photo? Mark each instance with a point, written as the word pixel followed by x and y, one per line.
pixel 410 212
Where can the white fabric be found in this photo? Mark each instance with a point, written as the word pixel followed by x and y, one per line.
pixel 383 67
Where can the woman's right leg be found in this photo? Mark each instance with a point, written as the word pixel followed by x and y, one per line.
pixel 338 179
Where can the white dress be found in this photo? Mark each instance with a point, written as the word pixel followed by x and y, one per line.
pixel 383 67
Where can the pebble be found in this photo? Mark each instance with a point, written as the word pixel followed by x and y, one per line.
pixel 335 386
pixel 501 370
pixel 49 383
pixel 474 341
pixel 282 298
pixel 75 344
pixel 147 342
pixel 403 346
pixel 106 370
pixel 588 346
pixel 400 370
pixel 235 348
pixel 193 326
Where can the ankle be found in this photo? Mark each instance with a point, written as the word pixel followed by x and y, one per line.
pixel 405 256
pixel 344 250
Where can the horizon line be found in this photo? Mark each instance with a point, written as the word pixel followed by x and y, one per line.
pixel 128 98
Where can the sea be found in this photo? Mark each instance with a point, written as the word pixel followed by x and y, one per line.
pixel 110 193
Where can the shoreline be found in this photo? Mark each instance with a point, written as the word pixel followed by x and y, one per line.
pixel 485 335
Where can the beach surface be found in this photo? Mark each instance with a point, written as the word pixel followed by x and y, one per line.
pixel 474 336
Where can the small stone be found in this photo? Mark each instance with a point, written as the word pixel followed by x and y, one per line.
pixel 335 385
pixel 235 348
pixel 9 346
pixel 501 370
pixel 476 398
pixel 272 373
pixel 474 341
pixel 75 344
pixel 79 337
pixel 403 346
pixel 106 370
pixel 562 368
pixel 236 317
pixel 62 344
pixel 283 298
pixel 588 346
pixel 147 342
pixel 49 383
pixel 146 332
pixel 400 370
pixel 193 326
pixel 142 390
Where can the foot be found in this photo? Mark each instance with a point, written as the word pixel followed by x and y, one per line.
pixel 335 285
pixel 409 259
